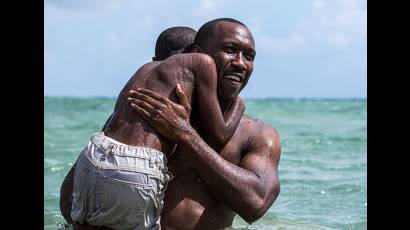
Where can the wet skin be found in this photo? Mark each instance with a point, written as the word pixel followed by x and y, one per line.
pixel 186 70
pixel 211 186
pixel 196 199
pixel 241 179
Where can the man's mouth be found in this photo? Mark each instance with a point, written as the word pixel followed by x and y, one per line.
pixel 235 77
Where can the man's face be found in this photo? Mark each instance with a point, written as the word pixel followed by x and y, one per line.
pixel 233 51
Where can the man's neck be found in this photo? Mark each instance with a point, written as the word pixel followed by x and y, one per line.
pixel 225 105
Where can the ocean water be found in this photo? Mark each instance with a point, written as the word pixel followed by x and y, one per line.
pixel 323 167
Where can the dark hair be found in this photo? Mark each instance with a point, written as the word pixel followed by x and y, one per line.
pixel 173 40
pixel 208 29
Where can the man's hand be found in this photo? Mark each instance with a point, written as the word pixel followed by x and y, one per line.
pixel 167 117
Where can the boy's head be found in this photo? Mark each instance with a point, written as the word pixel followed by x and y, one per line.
pixel 172 41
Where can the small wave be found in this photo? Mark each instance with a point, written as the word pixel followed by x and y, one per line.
pixel 269 222
pixel 52 162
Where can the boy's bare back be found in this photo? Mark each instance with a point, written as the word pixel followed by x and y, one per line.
pixel 162 76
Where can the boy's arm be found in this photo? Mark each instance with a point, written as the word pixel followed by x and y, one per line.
pixel 216 129
pixel 249 188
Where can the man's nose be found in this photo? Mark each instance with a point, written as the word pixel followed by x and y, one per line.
pixel 239 62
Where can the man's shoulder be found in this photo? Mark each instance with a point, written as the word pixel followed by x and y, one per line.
pixel 261 135
pixel 257 125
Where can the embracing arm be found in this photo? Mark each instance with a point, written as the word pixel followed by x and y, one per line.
pixel 216 128
pixel 248 189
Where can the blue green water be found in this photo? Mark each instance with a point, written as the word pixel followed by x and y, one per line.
pixel 323 167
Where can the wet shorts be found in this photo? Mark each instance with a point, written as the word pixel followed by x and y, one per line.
pixel 119 186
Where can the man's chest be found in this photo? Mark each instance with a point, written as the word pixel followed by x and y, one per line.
pixel 240 142
pixel 233 151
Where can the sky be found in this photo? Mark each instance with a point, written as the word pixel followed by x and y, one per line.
pixel 305 48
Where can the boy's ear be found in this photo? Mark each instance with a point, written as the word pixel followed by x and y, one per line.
pixel 196 49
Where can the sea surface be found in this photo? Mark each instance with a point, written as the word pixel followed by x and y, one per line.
pixel 323 166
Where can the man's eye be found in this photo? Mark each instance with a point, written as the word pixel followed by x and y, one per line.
pixel 249 57
pixel 229 49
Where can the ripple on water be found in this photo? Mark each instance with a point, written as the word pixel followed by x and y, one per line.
pixel 272 222
pixel 51 162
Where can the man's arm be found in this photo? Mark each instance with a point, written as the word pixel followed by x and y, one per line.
pixel 248 189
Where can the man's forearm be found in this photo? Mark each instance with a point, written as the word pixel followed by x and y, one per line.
pixel 250 189
pixel 240 189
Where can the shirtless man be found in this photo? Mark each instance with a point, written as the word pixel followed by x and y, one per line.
pixel 121 175
pixel 170 41
pixel 210 186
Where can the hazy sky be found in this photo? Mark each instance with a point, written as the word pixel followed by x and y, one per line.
pixel 305 48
